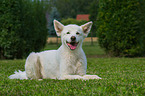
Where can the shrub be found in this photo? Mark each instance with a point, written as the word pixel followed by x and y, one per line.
pixel 121 27
pixel 73 21
pixel 22 28
pixel 93 15
pixel 54 14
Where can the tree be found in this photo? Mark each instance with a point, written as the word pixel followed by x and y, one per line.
pixel 53 15
pixel 70 8
pixel 121 28
pixel 93 15
pixel 22 28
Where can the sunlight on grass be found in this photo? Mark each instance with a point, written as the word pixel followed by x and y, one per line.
pixel 120 76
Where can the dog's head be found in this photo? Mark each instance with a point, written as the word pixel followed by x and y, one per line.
pixel 72 35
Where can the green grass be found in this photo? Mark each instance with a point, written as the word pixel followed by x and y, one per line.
pixel 120 76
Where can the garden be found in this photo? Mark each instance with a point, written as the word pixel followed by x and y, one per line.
pixel 120 76
pixel 117 56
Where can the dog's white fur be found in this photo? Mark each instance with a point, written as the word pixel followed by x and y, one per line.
pixel 63 63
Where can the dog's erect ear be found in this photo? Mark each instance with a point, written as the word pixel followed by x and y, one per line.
pixel 87 27
pixel 58 27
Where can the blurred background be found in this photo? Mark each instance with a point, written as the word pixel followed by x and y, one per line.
pixel 27 25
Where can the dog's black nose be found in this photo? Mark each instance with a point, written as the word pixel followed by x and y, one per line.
pixel 73 38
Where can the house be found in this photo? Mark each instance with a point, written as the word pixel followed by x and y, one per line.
pixel 83 17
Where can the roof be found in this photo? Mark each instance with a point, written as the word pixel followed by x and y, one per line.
pixel 83 17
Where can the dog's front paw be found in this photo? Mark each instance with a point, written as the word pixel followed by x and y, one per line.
pixel 91 77
pixel 71 77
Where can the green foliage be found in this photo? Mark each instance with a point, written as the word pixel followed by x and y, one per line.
pixel 73 21
pixel 54 14
pixel 121 27
pixel 22 28
pixel 70 8
pixel 93 11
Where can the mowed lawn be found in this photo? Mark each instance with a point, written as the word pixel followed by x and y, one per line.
pixel 120 76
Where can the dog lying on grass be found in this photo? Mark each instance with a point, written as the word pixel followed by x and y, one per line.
pixel 68 62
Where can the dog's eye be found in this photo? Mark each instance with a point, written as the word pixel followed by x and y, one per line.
pixel 77 33
pixel 68 33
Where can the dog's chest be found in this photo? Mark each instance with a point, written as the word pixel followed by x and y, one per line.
pixel 71 59
pixel 72 63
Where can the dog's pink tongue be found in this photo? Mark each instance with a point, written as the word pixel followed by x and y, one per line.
pixel 72 47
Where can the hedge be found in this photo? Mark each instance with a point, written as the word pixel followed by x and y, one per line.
pixel 22 28
pixel 121 27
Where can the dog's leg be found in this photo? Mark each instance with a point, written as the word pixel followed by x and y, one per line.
pixel 91 77
pixel 65 73
pixel 71 77
pixel 85 77
pixel 81 70
pixel 81 67
pixel 33 66
pixel 78 70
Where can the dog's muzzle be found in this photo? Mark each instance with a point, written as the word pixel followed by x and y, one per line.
pixel 73 44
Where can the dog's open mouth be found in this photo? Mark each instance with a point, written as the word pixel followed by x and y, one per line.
pixel 72 45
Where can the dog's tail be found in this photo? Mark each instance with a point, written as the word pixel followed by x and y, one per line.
pixel 18 75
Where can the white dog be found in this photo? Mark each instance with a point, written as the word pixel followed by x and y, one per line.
pixel 68 62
